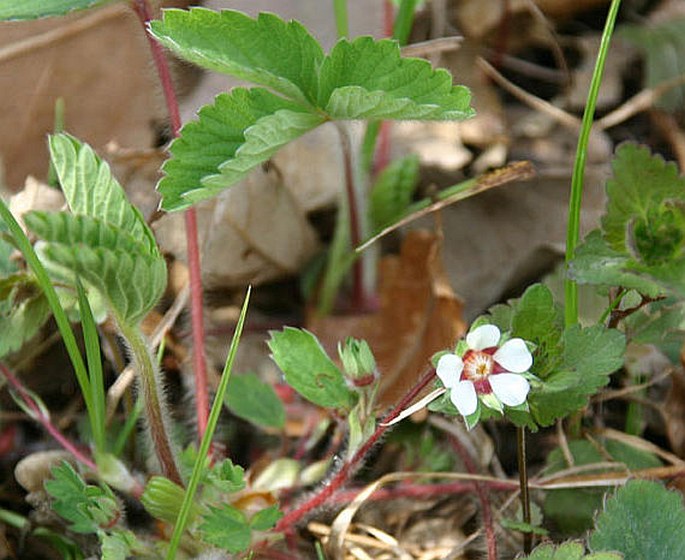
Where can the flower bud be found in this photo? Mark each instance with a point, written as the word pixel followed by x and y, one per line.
pixel 358 362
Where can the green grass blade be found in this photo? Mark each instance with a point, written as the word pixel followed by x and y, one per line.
pixel 13 10
pixel 404 21
pixel 44 282
pixel 573 231
pixel 96 413
pixel 341 20
pixel 209 433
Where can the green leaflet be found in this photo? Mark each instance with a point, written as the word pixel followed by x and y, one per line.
pixel 226 527
pixel 643 521
pixel 568 551
pixel 266 51
pixel 393 190
pixel 251 399
pixel 642 241
pixel 360 79
pixel 33 9
pixel 238 131
pixel 105 242
pixel 308 369
pixel 19 322
pixel 90 188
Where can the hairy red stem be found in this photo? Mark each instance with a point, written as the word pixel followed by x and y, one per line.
pixel 45 421
pixel 142 9
pixel 482 496
pixel 290 519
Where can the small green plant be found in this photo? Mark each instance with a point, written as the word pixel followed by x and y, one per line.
pixel 527 361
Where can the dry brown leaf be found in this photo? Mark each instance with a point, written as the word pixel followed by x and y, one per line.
pixel 253 232
pixel 98 61
pixel 35 196
pixel 419 315
pixel 674 413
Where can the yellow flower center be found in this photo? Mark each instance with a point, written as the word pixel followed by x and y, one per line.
pixel 477 365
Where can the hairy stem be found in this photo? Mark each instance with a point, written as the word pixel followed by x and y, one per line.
pixel 289 520
pixel 142 9
pixel 156 414
pixel 523 479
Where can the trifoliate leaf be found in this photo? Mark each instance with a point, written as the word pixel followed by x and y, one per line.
pixel 360 79
pixel 664 47
pixel 33 9
pixel 227 528
pixel 266 519
pixel 91 190
pixel 238 131
pixel 308 369
pixel 392 192
pixel 251 399
pixel 642 520
pixel 266 50
pixel 568 551
pixel 572 512
pixel 86 507
pixel 367 78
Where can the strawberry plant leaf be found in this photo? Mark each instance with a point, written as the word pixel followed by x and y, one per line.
pixel 117 545
pixel 251 399
pixel 91 190
pixel 368 78
pixel 20 320
pixel 86 507
pixel 268 51
pixel 238 131
pixel 568 551
pixel 266 518
pixel 642 520
pixel 308 369
pixel 227 528
pixel 33 9
pixel 105 242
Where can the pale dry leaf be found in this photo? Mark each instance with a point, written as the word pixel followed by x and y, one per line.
pixel 101 69
pixel 252 233
pixel 35 195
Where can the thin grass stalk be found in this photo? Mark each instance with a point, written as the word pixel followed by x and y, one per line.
pixel 523 481
pixel 577 182
pixel 206 442
pixel 342 25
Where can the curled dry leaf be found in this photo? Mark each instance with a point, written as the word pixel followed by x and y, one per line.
pixel 419 315
pixel 253 233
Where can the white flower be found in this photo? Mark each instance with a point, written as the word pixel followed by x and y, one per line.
pixel 486 369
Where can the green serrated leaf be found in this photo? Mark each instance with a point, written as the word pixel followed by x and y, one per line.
pixel 590 355
pixel 568 551
pixel 233 133
pixel 308 369
pixel 251 399
pixel 227 528
pixel 86 507
pixel 266 50
pixel 640 182
pixel 573 511
pixel 33 9
pixel 265 519
pixel 662 324
pixel 393 190
pixel 597 263
pixel 366 78
pixel 642 520
pixel 117 545
pixel 227 477
pixel 90 189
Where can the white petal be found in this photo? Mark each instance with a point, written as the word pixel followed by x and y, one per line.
pixel 464 397
pixel 449 369
pixel 511 389
pixel 418 405
pixel 485 336
pixel 514 356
